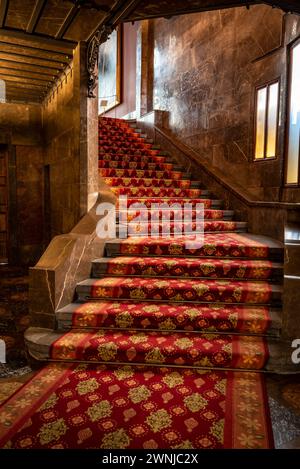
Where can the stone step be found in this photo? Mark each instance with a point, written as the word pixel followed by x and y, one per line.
pixel 180 290
pixel 196 203
pixel 164 317
pixel 122 181
pixel 142 173
pixel 179 267
pixel 145 228
pixel 236 246
pixel 135 158
pixel 39 343
pixel 118 165
pixel 159 214
pixel 157 192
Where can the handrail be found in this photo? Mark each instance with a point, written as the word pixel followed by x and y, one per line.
pixel 190 153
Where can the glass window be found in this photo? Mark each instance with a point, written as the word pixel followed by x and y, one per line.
pixel 2 91
pixel 292 172
pixel 266 121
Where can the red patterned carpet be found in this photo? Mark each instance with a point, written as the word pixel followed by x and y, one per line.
pixel 205 312
pixel 95 407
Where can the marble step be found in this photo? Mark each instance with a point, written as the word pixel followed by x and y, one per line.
pixel 179 267
pixel 131 165
pixel 209 204
pixel 236 246
pixel 157 214
pixel 180 290
pixel 143 173
pixel 39 344
pixel 122 181
pixel 144 228
pixel 164 317
pixel 156 192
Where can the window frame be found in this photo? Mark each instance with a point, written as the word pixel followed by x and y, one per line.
pixel 291 46
pixel 257 88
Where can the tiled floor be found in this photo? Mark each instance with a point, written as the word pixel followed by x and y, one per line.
pixel 284 400
pixel 14 315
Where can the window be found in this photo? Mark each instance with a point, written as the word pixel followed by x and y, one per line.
pixel 2 91
pixel 267 98
pixel 292 166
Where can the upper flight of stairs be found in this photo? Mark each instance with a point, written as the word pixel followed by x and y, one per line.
pixel 159 301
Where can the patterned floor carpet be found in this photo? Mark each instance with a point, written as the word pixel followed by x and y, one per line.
pixel 89 406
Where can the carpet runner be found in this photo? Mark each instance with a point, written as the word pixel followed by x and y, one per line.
pixel 97 407
pixel 166 339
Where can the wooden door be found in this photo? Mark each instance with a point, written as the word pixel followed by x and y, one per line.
pixel 3 205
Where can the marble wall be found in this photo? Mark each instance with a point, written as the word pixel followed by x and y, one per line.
pixel 70 126
pixel 206 68
pixel 21 132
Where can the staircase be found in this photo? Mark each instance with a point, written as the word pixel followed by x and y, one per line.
pixel 164 345
pixel 155 301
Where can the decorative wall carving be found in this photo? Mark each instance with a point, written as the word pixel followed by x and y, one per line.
pixel 99 38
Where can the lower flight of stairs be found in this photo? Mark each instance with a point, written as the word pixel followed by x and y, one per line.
pixel 159 301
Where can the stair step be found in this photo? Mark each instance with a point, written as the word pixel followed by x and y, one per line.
pixel 187 268
pixel 142 173
pixel 156 214
pixel 171 201
pixel 154 158
pixel 142 229
pixel 150 182
pixel 164 317
pixel 161 192
pixel 180 290
pixel 157 348
pixel 215 245
pixel 138 166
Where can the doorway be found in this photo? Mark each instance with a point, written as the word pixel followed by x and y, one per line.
pixel 3 205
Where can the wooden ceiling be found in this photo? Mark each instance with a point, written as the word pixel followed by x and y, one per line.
pixel 37 37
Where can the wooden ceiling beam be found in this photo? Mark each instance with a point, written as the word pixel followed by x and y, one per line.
pixel 46 68
pixel 36 14
pixel 20 74
pixel 32 60
pixel 29 87
pixel 38 40
pixel 26 68
pixel 3 12
pixel 68 21
pixel 32 52
pixel 185 8
pixel 125 11
pixel 21 100
pixel 25 96
pixel 59 55
pixel 11 88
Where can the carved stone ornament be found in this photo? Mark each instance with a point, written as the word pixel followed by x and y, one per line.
pixel 99 38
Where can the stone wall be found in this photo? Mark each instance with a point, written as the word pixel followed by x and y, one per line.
pixel 70 126
pixel 206 68
pixel 21 133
